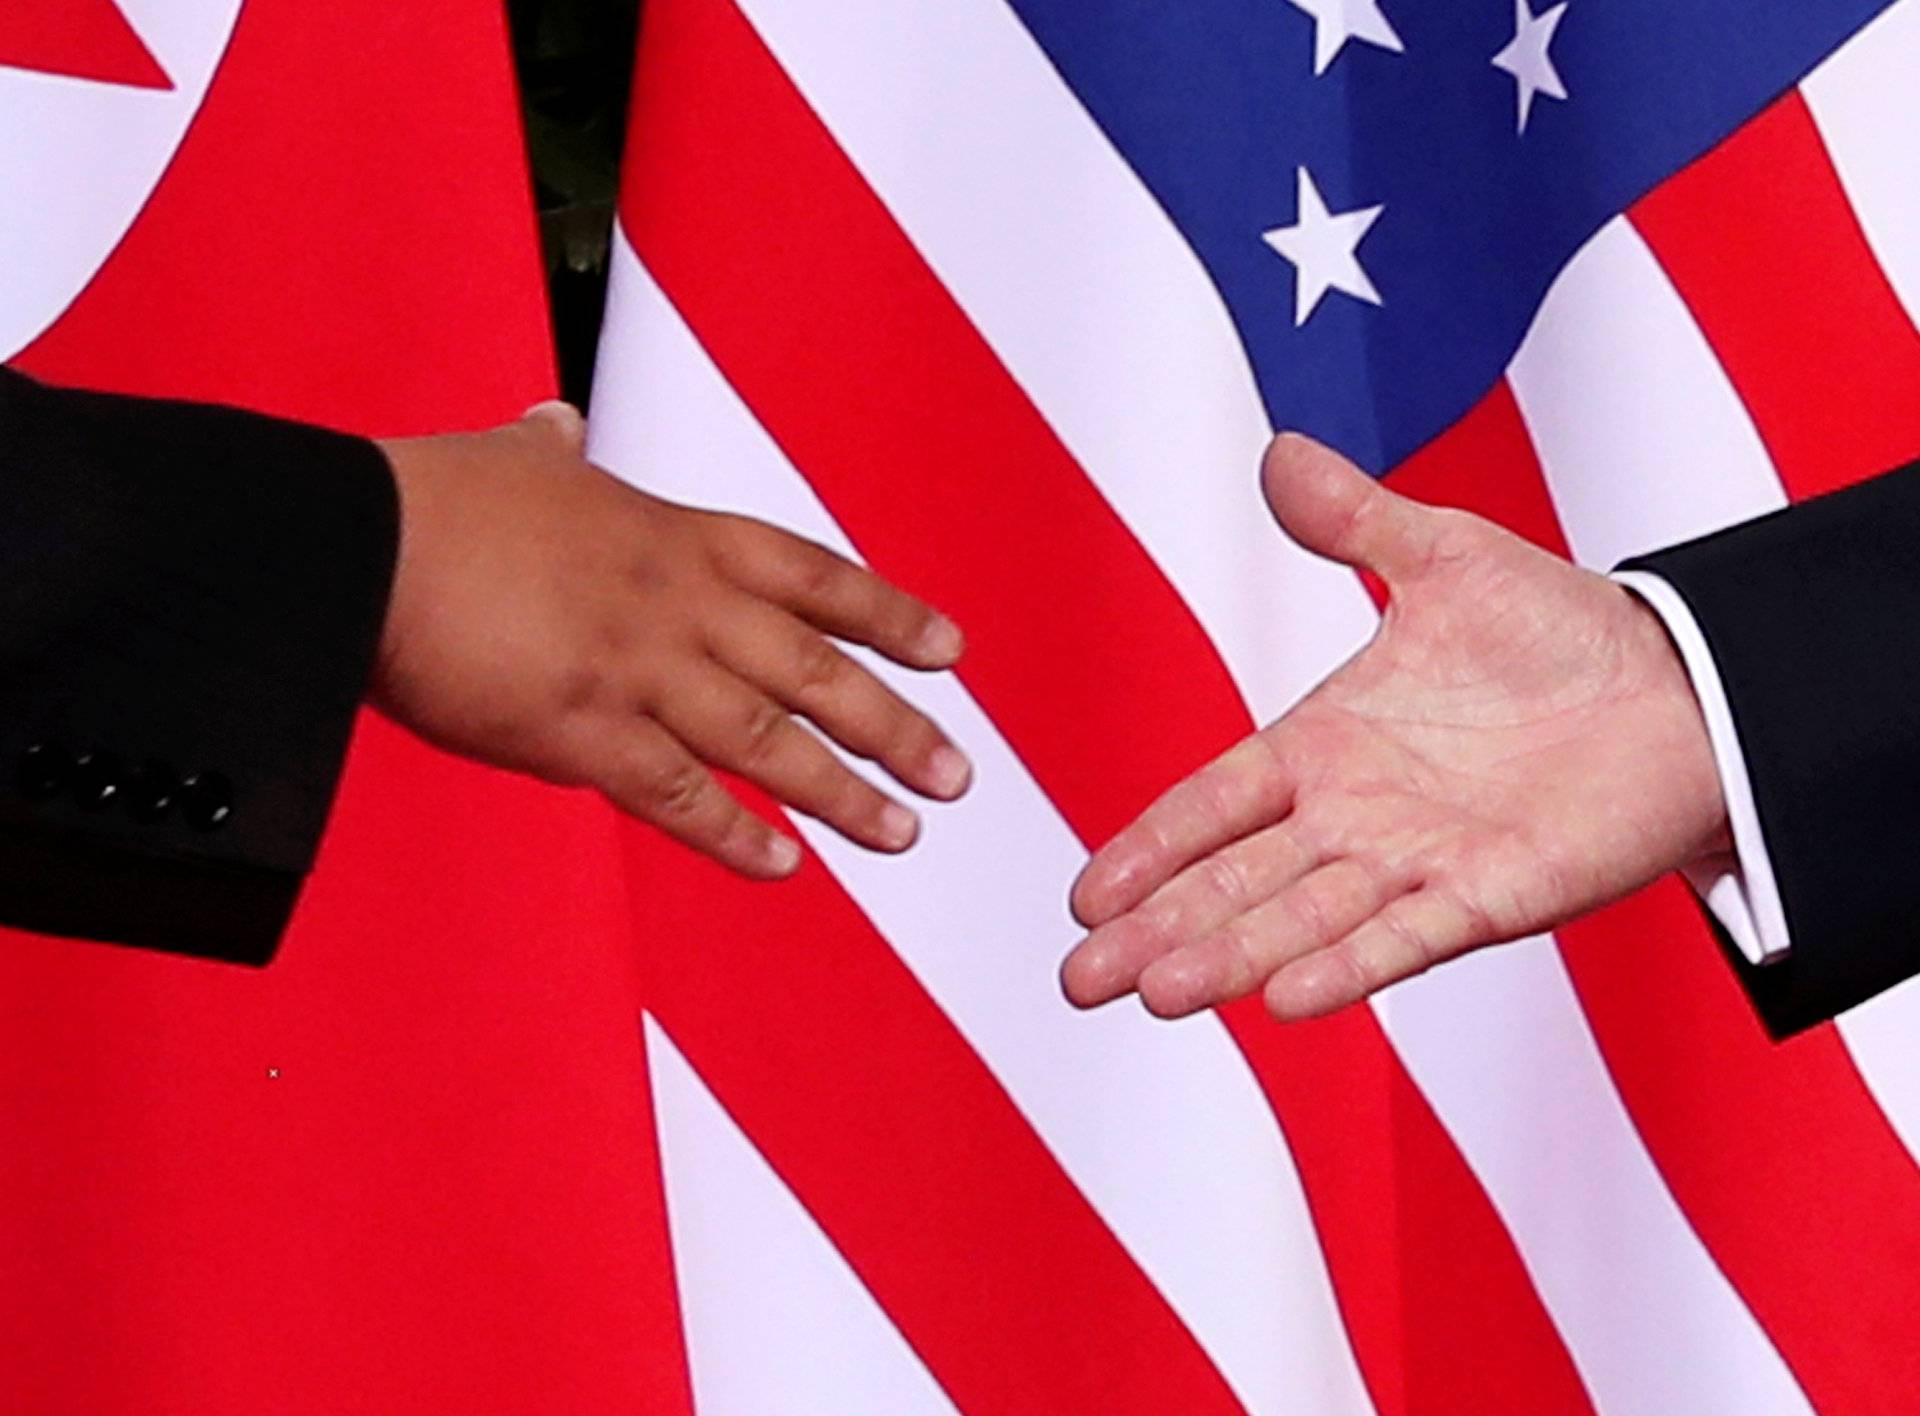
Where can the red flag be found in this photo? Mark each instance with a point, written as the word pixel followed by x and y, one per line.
pixel 409 1167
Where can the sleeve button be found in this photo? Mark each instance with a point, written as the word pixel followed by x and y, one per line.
pixel 150 790
pixel 206 800
pixel 45 769
pixel 97 779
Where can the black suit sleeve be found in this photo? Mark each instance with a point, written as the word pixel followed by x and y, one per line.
pixel 190 599
pixel 1813 617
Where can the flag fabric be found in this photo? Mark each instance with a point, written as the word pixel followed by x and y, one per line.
pixel 409 1167
pixel 1005 298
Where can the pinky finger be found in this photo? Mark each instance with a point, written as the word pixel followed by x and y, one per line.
pixel 657 780
pixel 1408 937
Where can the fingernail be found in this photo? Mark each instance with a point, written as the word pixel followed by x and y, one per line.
pixel 942 642
pixel 898 826
pixel 948 772
pixel 783 854
pixel 563 415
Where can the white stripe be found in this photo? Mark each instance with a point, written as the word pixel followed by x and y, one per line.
pixel 1500 1046
pixel 1642 439
pixel 1162 1128
pixel 775 1319
pixel 1867 106
pixel 1083 288
pixel 1883 1035
pixel 1089 296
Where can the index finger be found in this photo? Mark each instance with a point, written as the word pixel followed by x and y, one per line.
pixel 845 600
pixel 1245 788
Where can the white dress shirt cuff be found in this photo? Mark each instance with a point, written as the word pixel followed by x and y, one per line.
pixel 1739 887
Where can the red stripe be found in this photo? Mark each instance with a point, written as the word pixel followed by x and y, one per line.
pixel 846 346
pixel 1760 240
pixel 1777 1154
pixel 897 1139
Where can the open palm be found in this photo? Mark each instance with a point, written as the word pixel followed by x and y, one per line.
pixel 1518 745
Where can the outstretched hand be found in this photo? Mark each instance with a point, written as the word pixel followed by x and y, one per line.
pixel 1517 746
pixel 548 619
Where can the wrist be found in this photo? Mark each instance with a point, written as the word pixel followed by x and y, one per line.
pixel 1695 754
pixel 405 461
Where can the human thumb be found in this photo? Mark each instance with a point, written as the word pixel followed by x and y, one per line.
pixel 1334 509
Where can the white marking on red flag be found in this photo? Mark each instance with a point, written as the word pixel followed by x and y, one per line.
pixel 98 97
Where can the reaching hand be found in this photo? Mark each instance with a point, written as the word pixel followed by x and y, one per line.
pixel 548 619
pixel 1517 746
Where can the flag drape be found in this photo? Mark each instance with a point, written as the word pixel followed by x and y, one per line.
pixel 409 1167
pixel 1004 298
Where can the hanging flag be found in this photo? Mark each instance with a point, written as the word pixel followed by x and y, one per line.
pixel 1005 297
pixel 409 1167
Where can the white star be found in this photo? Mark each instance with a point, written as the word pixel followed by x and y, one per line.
pixel 1337 21
pixel 1526 58
pixel 1322 246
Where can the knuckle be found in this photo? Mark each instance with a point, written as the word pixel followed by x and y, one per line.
pixel 676 790
pixel 1406 942
pixel 741 832
pixel 761 728
pixel 1206 798
pixel 1560 876
pixel 579 686
pixel 847 800
pixel 850 797
pixel 1242 957
pixel 1368 970
pixel 1453 527
pixel 1278 757
pixel 1356 516
pixel 1454 536
pixel 1223 877
pixel 909 621
pixel 1332 825
pixel 1516 885
pixel 1475 917
pixel 820 669
pixel 1308 909
pixel 897 733
pixel 816 573
pixel 1312 826
pixel 919 734
pixel 729 540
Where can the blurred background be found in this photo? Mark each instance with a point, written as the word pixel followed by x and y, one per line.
pixel 575 61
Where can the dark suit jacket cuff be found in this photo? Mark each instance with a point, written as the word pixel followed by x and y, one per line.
pixel 67 887
pixel 198 588
pixel 1809 614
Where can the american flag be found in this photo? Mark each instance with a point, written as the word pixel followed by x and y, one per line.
pixel 1005 298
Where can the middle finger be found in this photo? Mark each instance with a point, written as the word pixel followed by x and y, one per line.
pixel 808 672
pixel 733 725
